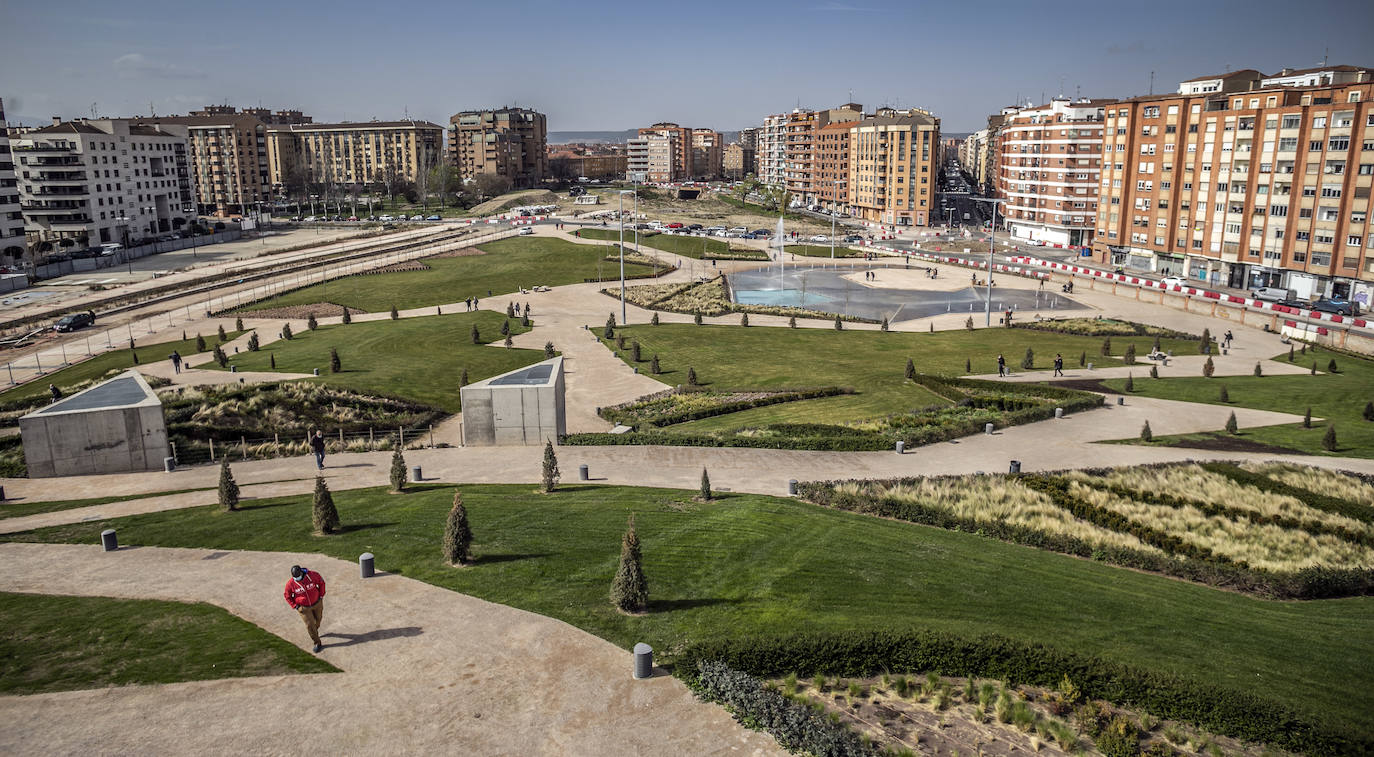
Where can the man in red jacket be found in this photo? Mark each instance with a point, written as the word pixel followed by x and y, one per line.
pixel 305 593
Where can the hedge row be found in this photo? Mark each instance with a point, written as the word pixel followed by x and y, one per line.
pixel 836 443
pixel 1082 327
pixel 796 727
pixel 1239 714
pixel 774 398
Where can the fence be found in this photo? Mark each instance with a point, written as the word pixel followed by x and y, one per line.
pixel 296 444
pixel 123 257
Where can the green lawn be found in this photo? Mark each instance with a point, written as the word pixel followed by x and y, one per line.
pixel 13 509
pixel 61 643
pixel 103 363
pixel 749 564
pixel 872 362
pixel 823 251
pixel 689 247
pixel 419 359
pixel 1336 397
pixel 509 265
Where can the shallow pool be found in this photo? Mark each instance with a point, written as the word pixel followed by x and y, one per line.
pixel 784 297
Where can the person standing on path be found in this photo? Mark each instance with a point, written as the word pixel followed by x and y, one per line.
pixel 176 361
pixel 305 593
pixel 1058 364
pixel 1228 339
pixel 1001 366
pixel 317 445
pixel 55 392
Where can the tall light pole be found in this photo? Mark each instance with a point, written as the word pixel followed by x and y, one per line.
pixel 992 246
pixel 622 194
pixel 833 211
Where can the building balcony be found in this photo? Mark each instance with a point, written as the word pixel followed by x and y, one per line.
pixel 43 149
pixel 31 209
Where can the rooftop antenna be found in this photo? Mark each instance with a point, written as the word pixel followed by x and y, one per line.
pixel 151 112
pixel 1152 82
pixel 1326 53
pixel 93 109
pixel 1061 86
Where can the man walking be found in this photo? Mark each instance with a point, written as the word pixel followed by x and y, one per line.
pixel 305 593
pixel 317 445
pixel 1228 339
pixel 1001 366
pixel 176 361
pixel 1058 364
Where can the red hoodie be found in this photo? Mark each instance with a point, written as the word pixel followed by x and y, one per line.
pixel 306 591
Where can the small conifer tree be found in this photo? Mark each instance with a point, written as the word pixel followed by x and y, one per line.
pixel 1130 383
pixel 654 320
pixel 253 344
pixel 744 319
pixel 223 337
pixel 839 325
pixel 1231 426
pixel 398 467
pixel 525 320
pixel 1307 418
pixel 549 481
pixel 1224 396
pixel 1331 366
pixel 238 323
pixel 1205 346
pixel 463 380
pixel 347 316
pixel 457 534
pixel 286 332
pixel 1292 356
pixel 1106 346
pixel 272 360
pixel 549 352
pixel 1314 367
pixel 620 341
pixel 509 342
pixel 1028 361
pixel 629 589
pixel 635 352
pixel 697 319
pixel 1208 368
pixel 310 322
pixel 910 369
pixel 968 365
pixel 792 322
pixel 200 343
pixel 1145 434
pixel 1154 371
pixel 335 365
pixel 883 327
pixel 1082 358
pixel 228 489
pixel 691 376
pixel 1129 357
pixel 653 366
pixel 1155 346
pixel 609 331
pixel 505 328
pixel 1369 411
pixel 1329 440
pixel 323 513
pixel 220 357
pixel 136 357
pixel 476 335
pixel 968 323
pixel 705 494
pixel 394 314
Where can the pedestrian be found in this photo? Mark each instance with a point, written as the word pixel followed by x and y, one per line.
pixel 474 303
pixel 975 279
pixel 1228 338
pixel 317 444
pixel 1001 365
pixel 55 392
pixel 1058 364
pixel 305 593
pixel 176 361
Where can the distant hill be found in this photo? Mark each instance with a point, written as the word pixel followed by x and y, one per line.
pixel 611 137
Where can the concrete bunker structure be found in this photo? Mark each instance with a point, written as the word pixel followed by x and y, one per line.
pixel 523 407
pixel 113 427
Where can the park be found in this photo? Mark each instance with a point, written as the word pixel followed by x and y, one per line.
pixel 850 511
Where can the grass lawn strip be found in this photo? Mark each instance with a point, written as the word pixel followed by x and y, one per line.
pixel 823 251
pixel 62 643
pixel 11 509
pixel 762 565
pixel 700 248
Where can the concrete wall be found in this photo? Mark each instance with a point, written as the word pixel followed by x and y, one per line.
pixel 513 415
pixel 117 440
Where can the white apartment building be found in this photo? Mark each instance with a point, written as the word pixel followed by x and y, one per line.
pixel 91 182
pixel 11 218
pixel 652 158
pixel 1049 162
pixel 772 151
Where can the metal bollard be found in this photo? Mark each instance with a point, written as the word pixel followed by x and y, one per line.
pixel 583 473
pixel 792 487
pixel 367 565
pixel 901 446
pixel 415 474
pixel 233 369
pixel 1015 466
pixel 316 371
pixel 1120 400
pixel 644 660
pixel 108 540
pixel 169 464
pixel 1059 412
pixel 1090 366
pixel 987 429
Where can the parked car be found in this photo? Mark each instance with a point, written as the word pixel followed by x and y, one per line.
pixel 74 321
pixel 738 230
pixel 1338 307
pixel 352 218
pixel 1173 281
pixel 417 217
pixel 1272 294
pixel 762 233
pixel 819 238
pixel 110 248
pixel 310 219
pixel 526 231
pixel 852 238
pixel 675 225
pixel 694 227
pixel 387 219
pixel 435 217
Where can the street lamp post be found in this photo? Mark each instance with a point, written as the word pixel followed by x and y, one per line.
pixel 992 246
pixel 622 194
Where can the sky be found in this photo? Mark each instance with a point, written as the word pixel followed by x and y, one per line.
pixel 592 65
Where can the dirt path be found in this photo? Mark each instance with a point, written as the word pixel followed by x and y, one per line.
pixel 425 670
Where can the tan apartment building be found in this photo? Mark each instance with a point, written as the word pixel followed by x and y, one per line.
pixel 1240 180
pixel 12 243
pixel 802 131
pixel 508 142
pixel 228 160
pixel 100 181
pixel 679 140
pixel 265 115
pixel 599 166
pixel 832 166
pixel 749 138
pixel 1047 168
pixel 351 154
pixel 892 164
pixel 739 161
pixel 708 154
pixel 654 157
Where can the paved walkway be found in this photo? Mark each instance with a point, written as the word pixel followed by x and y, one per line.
pixel 425 670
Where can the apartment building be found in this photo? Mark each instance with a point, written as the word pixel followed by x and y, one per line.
pixel 654 157
pixel 892 164
pixel 508 142
pixel 708 154
pixel 971 153
pixel 832 166
pixel 12 244
pixel 1244 180
pixel 351 154
pixel 227 152
pixel 265 115
pixel 1048 166
pixel 800 150
pixel 587 161
pixel 771 156
pixel 679 140
pixel 739 161
pixel 89 182
pixel 749 138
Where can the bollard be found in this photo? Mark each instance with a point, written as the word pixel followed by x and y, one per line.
pixel 169 464
pixel 367 565
pixel 108 540
pixel 792 487
pixel 1059 412
pixel 1120 400
pixel 233 369
pixel 644 660
pixel 901 446
pixel 317 371
pixel 415 474
pixel 583 473
pixel 1090 366
pixel 987 429
pixel 2 494
pixel 1015 466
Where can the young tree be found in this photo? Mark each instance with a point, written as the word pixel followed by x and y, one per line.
pixel 286 332
pixel 1224 396
pixel 347 316
pixel 620 341
pixel 1369 411
pixel 1208 368
pixel 910 370
pixel 839 325
pixel 510 309
pixel 744 319
pixel 1107 347
pixel 883 327
pixel 463 380
pixel 457 534
pixel 223 337
pixel 1028 361
pixel 705 494
pixel 525 319
pixel 549 481
pixel 394 315
pixel 696 318
pixel 630 590
pixel 323 513
pixel 220 357
pixel 1258 370
pixel 398 468
pixel 1155 346
pixel 476 335
pixel 1331 366
pixel 609 331
pixel 549 352
pixel 238 323
pixel 1129 357
pixel 1205 346
pixel 968 365
pixel 1082 358
pixel 200 343
pixel 1130 383
pixel 505 328
pixel 792 322
pixel 509 342
pixel 1154 371
pixel 653 365
pixel 310 322
pixel 1292 356
pixel 335 365
pixel 272 360
pixel 1145 434
pixel 253 344
pixel 968 323
pixel 1314 367
pixel 654 320
pixel 228 489
pixel 1231 426
pixel 1307 418
pixel 1329 440
pixel 635 354
pixel 691 376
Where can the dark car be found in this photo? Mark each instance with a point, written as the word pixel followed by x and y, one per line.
pixel 761 233
pixel 1338 307
pixel 695 227
pixel 74 321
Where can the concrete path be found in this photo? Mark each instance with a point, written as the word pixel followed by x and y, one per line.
pixel 425 670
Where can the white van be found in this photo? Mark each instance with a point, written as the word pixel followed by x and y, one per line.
pixel 1271 294
pixel 110 248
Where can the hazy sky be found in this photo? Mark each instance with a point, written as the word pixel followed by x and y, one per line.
pixel 615 65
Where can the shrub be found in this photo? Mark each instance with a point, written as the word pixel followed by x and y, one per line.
pixel 505 328
pixel 1223 396
pixel 1331 366
pixel 1291 355
pixel 792 322
pixel 1082 359
pixel 394 314
pixel 705 493
pixel 223 337
pixel 272 360
pixel 910 370
pixel 630 589
pixel 839 326
pixel 200 343
pixel 457 533
pixel 310 322
pixel 1119 739
pixel 609 331
pixel 1130 383
pixel 476 335
pixel 1208 368
pixel 697 319
pixel 220 357
pixel 238 325
pixel 1329 439
pixel 653 365
pixel 1258 370
pixel 620 341
pixel 335 365
pixel 1129 357
pixel 1205 346
pixel 1107 346
pixel 744 319
pixel 1231 426
pixel 347 316
pixel 253 344
pixel 1154 371
pixel 691 376
pixel 635 353
pixel 654 320
pixel 1028 361
pixel 883 327
pixel 1307 418
pixel 1368 411
pixel 549 479
pixel 398 469
pixel 323 513
pixel 509 342
pixel 549 352
pixel 228 489
pixel 968 323
pixel 286 332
